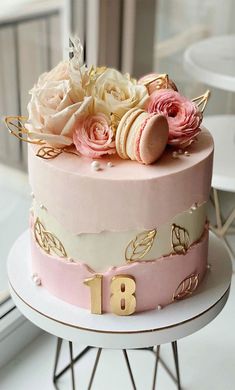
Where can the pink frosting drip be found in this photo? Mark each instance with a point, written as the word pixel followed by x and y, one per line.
pixel 156 281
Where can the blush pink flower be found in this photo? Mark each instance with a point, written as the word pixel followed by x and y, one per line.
pixel 93 137
pixel 183 115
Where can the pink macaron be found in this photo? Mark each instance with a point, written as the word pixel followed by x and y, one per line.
pixel 142 136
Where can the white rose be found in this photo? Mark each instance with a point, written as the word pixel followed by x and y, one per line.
pixel 116 93
pixel 54 109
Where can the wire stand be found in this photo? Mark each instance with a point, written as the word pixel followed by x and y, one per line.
pixel 73 360
pixel 222 229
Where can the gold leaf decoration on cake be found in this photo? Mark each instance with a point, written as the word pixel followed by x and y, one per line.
pixel 140 246
pixel 179 239
pixel 202 100
pixel 186 287
pixel 48 241
pixel 48 152
pixel 16 126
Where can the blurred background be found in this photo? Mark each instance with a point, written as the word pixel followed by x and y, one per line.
pixel 135 36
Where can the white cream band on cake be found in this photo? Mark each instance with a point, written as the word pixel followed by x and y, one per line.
pixel 106 249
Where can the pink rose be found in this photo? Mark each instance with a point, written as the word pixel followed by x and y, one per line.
pixel 93 136
pixel 183 116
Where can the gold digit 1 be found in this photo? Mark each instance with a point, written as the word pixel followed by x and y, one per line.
pixel 95 285
pixel 122 300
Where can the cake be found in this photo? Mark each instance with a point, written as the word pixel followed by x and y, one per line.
pixel 120 172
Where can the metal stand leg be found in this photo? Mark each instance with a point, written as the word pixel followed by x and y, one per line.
pixel 69 366
pixel 151 349
pixel 221 229
pixel 176 359
pixel 129 368
pixel 71 363
pixel 156 367
pixel 58 348
pixel 95 367
pixel 158 359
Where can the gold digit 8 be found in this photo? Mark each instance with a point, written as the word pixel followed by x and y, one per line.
pixel 122 300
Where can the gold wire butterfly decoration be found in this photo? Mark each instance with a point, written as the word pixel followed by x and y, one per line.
pixel 16 127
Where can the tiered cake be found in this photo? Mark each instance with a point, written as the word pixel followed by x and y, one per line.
pixel 120 175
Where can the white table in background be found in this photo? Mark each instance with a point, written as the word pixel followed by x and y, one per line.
pixel 143 330
pixel 212 61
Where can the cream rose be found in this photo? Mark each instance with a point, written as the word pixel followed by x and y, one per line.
pixel 116 93
pixel 54 109
pixel 58 73
pixel 93 136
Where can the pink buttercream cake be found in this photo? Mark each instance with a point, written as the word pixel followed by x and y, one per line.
pixel 115 205
pixel 120 172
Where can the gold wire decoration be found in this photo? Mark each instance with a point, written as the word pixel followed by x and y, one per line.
pixel 48 152
pixel 48 241
pixel 16 126
pixel 179 239
pixel 202 100
pixel 186 287
pixel 140 246
pixel 162 80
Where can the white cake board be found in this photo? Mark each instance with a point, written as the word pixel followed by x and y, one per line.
pixel 110 331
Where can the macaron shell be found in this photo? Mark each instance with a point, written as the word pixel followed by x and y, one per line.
pixel 153 139
pixel 123 131
pixel 133 134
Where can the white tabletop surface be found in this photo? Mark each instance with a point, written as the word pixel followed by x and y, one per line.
pixel 212 61
pixel 222 128
pixel 110 331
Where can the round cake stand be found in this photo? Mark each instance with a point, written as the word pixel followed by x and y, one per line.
pixel 143 330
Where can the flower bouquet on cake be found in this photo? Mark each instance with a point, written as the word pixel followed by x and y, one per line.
pixel 98 111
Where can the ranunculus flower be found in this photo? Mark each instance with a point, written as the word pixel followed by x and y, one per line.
pixel 183 115
pixel 117 93
pixel 54 108
pixel 93 136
